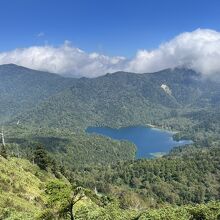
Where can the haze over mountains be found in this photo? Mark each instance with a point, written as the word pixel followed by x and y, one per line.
pixel 45 99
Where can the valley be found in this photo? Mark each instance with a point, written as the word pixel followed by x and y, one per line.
pixel 51 111
pixel 110 110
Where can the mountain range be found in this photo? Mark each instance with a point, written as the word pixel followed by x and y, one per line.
pixel 44 117
pixel 118 99
pixel 42 107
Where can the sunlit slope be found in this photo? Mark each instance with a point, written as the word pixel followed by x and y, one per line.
pixel 22 186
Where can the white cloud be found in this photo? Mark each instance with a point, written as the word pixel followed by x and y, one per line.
pixel 65 59
pixel 199 50
pixel 41 34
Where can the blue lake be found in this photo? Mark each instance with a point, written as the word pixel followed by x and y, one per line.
pixel 150 142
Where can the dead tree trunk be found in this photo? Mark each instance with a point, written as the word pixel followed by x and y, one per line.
pixel 3 137
pixel 3 151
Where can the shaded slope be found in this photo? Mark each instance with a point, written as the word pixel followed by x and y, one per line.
pixel 122 98
pixel 22 88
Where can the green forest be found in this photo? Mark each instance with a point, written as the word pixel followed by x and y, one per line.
pixel 52 169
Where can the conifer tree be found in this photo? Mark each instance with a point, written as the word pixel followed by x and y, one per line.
pixel 3 152
pixel 41 157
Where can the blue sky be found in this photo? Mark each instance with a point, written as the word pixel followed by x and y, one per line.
pixel 92 37
pixel 112 27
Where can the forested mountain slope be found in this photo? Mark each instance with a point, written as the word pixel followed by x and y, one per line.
pixel 43 108
pixel 122 99
pixel 53 110
pixel 179 179
pixel 22 89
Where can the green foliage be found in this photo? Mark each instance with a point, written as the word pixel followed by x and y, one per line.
pixel 210 211
pixel 54 111
pixel 118 99
pixel 69 149
pixel 3 151
pixel 168 213
pixel 58 194
pixel 22 89
pixel 63 198
pixel 190 178
pixel 41 157
pixel 36 194
pixel 22 187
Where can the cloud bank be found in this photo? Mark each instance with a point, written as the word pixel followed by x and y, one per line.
pixel 199 50
pixel 64 59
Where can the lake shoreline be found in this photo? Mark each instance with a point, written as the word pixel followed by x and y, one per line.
pixel 149 140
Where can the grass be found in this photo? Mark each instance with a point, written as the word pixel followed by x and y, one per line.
pixel 21 189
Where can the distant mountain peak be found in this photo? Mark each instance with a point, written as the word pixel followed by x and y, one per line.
pixel 12 65
pixel 16 69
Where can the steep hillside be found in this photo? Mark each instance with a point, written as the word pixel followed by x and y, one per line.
pixel 22 88
pixel 53 110
pixel 43 99
pixel 29 193
pixel 122 99
pixel 47 108
pixel 22 187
